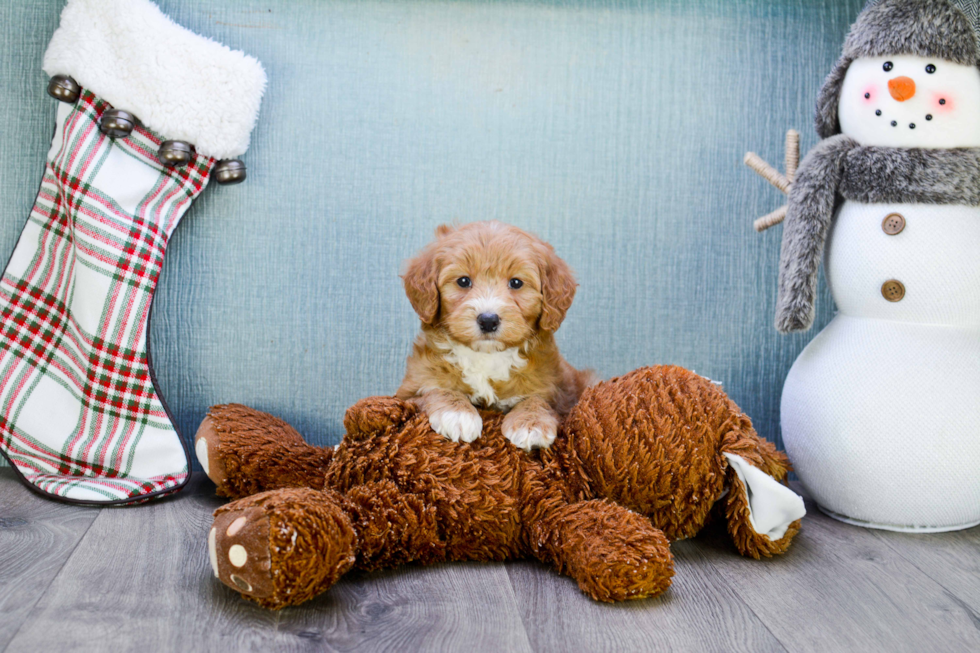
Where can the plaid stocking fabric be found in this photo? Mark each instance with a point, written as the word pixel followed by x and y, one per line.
pixel 80 417
pixel 79 414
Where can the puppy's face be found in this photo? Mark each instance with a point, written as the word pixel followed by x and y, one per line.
pixel 489 285
pixel 490 296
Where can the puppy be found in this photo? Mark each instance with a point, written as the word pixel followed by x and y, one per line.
pixel 490 297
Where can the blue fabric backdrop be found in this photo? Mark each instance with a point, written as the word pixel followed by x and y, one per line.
pixel 613 129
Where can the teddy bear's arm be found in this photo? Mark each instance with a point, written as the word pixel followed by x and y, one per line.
pixel 245 451
pixel 373 415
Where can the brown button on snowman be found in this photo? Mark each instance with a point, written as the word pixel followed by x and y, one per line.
pixel 893 224
pixel 881 411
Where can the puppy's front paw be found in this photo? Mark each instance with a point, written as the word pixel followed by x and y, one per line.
pixel 457 425
pixel 530 431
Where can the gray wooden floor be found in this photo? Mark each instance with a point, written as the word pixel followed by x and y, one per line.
pixel 118 579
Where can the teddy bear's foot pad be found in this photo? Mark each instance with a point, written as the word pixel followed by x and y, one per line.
pixel 238 545
pixel 282 547
pixel 207 447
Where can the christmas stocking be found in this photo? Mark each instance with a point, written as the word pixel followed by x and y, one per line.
pixel 148 111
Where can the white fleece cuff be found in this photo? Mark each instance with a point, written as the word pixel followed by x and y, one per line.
pixel 180 85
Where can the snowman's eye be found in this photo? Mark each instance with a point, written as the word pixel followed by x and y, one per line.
pixel 888 66
pixel 930 69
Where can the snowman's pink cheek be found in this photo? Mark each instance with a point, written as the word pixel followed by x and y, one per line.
pixel 869 94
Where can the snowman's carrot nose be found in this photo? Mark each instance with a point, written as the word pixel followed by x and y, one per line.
pixel 901 88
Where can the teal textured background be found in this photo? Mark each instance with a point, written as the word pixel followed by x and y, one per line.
pixel 613 129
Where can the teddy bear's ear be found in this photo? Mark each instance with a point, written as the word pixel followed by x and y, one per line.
pixel 422 284
pixel 557 288
pixel 374 414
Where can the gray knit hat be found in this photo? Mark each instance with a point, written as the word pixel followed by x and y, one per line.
pixel 926 28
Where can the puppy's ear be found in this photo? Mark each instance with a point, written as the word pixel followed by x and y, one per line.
pixel 558 289
pixel 444 229
pixel 422 284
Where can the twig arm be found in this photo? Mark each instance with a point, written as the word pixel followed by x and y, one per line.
pixel 792 153
pixel 767 172
pixel 771 219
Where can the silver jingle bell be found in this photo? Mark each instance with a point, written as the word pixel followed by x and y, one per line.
pixel 228 172
pixel 63 88
pixel 117 123
pixel 175 153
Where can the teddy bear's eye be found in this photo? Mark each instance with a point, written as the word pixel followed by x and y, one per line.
pixel 464 282
pixel 515 284
pixel 930 69
pixel 888 66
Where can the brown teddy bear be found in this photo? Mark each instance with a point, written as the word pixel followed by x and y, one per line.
pixel 642 459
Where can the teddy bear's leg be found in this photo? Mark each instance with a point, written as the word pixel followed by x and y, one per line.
pixel 612 552
pixel 394 527
pixel 245 451
pixel 763 514
pixel 282 547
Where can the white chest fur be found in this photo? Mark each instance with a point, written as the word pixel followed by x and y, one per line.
pixel 479 368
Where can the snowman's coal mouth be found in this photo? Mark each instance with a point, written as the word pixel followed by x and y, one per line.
pixel 894 123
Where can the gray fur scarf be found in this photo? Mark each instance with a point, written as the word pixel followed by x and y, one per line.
pixel 839 169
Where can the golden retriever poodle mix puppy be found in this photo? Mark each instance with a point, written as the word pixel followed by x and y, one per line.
pixel 490 297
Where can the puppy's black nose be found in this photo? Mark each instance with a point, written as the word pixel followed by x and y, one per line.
pixel 488 322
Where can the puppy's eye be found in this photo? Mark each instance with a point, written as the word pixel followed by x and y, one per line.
pixel 515 284
pixel 888 66
pixel 464 282
pixel 930 69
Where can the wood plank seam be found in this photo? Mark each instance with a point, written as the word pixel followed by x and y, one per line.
pixel 762 621
pixel 734 590
pixel 513 595
pixel 974 616
pixel 61 569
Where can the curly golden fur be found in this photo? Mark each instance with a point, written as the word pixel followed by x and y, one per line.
pixel 490 297
pixel 639 461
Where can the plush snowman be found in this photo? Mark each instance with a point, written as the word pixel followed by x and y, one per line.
pixel 881 411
